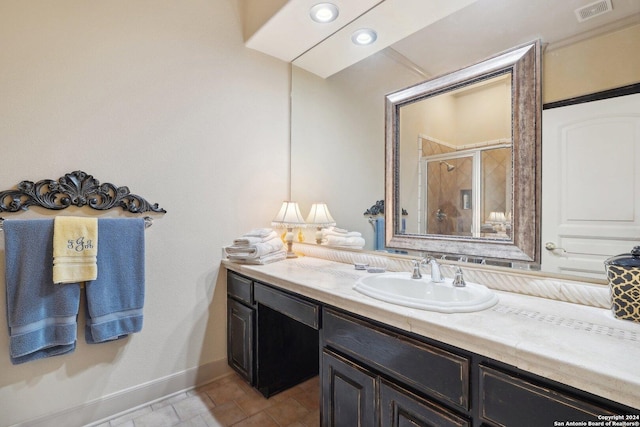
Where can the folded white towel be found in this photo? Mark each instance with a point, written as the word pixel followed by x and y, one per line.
pixel 339 232
pixel 256 250
pixel 337 229
pixel 264 259
pixel 252 240
pixel 354 241
pixel 259 232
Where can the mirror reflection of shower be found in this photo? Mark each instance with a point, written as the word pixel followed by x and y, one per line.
pixel 450 167
pixel 462 188
pixel 448 177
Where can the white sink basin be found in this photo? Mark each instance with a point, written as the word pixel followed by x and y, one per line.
pixel 401 289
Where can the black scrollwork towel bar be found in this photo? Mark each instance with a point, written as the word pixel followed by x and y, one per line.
pixel 74 189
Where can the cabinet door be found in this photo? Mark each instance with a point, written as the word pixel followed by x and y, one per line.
pixel 401 408
pixel 348 393
pixel 240 328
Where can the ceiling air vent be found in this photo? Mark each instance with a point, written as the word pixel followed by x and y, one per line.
pixel 593 9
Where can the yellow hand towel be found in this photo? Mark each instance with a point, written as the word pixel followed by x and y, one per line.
pixel 75 249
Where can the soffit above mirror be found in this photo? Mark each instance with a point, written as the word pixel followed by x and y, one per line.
pixel 324 49
pixel 286 31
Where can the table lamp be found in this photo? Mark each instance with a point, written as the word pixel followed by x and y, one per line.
pixel 320 217
pixel 289 217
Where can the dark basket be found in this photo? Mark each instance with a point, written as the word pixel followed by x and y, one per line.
pixel 623 273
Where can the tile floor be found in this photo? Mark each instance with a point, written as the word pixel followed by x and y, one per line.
pixel 229 401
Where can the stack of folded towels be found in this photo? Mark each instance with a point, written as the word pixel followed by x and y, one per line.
pixel 258 246
pixel 334 236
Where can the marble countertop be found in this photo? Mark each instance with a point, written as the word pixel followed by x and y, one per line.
pixel 581 346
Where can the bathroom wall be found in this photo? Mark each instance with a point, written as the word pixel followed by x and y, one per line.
pixel 591 65
pixel 161 96
pixel 337 150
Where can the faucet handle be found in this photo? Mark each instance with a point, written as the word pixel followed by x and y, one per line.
pixel 416 274
pixel 458 280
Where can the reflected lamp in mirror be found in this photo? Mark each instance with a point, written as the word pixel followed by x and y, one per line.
pixel 498 219
pixel 320 217
pixel 289 217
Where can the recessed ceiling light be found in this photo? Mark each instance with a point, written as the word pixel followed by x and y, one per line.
pixel 364 36
pixel 324 12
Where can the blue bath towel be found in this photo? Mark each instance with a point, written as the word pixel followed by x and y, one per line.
pixel 41 316
pixel 380 238
pixel 115 299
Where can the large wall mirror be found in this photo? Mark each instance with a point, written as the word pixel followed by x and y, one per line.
pixel 462 160
pixel 338 123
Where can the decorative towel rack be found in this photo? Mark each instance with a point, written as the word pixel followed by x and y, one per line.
pixel 74 189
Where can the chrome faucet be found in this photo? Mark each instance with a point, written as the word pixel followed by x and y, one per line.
pixel 436 274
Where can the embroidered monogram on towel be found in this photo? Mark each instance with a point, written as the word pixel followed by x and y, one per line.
pixel 75 248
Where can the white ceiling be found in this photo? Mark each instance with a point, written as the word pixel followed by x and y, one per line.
pixel 436 35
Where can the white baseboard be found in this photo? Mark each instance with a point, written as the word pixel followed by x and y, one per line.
pixel 107 407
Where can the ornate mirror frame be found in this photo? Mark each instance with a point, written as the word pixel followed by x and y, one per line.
pixel 524 64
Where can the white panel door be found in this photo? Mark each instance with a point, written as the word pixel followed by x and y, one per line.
pixel 590 184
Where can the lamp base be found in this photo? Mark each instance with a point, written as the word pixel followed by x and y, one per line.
pixel 290 253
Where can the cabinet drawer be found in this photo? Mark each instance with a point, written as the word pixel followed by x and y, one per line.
pixel 400 407
pixel 239 287
pixel 426 368
pixel 506 400
pixel 296 308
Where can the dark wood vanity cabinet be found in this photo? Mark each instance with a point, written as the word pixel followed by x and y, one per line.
pixel 373 374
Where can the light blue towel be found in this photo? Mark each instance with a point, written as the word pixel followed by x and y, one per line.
pixel 41 316
pixel 115 299
pixel 379 241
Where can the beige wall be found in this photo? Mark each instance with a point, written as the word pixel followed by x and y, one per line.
pixel 592 65
pixel 163 97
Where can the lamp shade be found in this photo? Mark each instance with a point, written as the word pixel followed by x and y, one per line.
pixel 320 216
pixel 497 217
pixel 289 216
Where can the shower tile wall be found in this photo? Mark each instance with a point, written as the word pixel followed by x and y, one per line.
pixel 444 191
pixel 446 215
pixel 496 167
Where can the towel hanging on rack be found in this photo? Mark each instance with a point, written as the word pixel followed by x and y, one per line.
pixel 42 317
pixel 75 249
